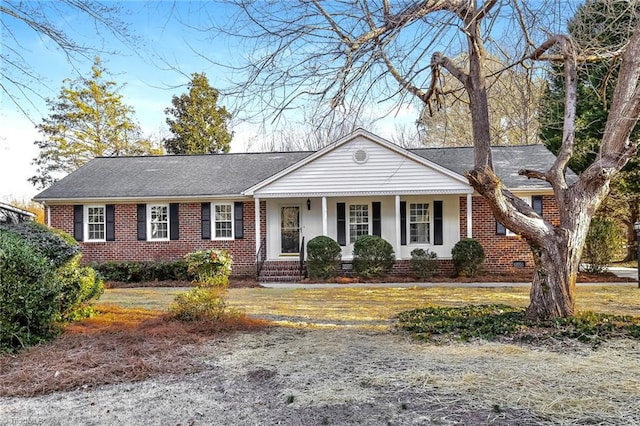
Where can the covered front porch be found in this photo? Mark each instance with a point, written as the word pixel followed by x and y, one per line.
pixel 407 221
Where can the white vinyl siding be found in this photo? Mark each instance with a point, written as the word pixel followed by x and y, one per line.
pixel 95 223
pixel 384 172
pixel 158 222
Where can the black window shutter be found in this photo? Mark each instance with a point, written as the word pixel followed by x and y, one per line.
pixel 174 221
pixel 205 221
pixel 142 222
pixel 78 222
pixel 377 219
pixel 403 223
pixel 238 220
pixel 536 204
pixel 110 216
pixel 341 215
pixel 500 229
pixel 437 223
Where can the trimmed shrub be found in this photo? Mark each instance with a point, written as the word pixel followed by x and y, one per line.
pixel 143 271
pixel 600 245
pixel 468 257
pixel 372 256
pixel 56 245
pixel 423 263
pixel 78 288
pixel 323 257
pixel 29 295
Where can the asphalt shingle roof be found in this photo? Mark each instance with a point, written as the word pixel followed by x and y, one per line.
pixel 231 174
pixel 507 161
pixel 169 176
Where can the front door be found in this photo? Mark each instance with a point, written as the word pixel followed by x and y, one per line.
pixel 290 230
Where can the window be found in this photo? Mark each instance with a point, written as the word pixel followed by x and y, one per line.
pixel 223 221
pixel 159 222
pixel 96 223
pixel 358 221
pixel 419 223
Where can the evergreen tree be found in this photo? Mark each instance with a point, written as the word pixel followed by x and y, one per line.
pixel 198 124
pixel 87 120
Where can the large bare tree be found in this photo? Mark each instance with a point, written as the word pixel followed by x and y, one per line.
pixel 20 83
pixel 343 52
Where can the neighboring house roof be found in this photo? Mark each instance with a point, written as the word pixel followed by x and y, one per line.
pixel 13 214
pixel 219 175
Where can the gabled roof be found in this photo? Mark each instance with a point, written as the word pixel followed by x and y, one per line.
pixel 231 175
pixel 170 176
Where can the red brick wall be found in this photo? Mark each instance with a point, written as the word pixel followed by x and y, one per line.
pixel 501 250
pixel 126 247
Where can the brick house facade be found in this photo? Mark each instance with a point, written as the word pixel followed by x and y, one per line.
pixel 160 208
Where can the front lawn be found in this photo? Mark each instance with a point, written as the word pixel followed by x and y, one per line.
pixel 374 306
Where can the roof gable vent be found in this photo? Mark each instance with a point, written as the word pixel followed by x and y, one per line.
pixel 360 156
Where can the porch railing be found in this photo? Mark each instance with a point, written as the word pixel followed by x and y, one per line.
pixel 261 256
pixel 301 273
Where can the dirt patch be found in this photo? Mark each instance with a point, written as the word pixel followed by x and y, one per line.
pixel 313 376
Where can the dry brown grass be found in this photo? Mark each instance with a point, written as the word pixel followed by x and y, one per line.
pixel 118 345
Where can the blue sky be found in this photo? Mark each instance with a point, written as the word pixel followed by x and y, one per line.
pixel 171 49
pixel 149 83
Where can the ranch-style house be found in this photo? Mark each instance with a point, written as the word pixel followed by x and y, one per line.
pixel 262 207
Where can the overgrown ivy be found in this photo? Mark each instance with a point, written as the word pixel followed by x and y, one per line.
pixel 491 322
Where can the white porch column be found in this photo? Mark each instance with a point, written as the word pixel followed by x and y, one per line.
pixel 325 227
pixel 469 216
pixel 398 243
pixel 257 222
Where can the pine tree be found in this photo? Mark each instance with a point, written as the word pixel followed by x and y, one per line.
pixel 88 119
pixel 198 124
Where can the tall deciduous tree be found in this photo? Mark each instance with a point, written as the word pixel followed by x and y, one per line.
pixel 513 95
pixel 198 124
pixel 599 25
pixel 339 51
pixel 88 119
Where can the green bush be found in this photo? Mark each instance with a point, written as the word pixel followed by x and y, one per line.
pixel 58 246
pixel 600 245
pixel 143 271
pixel 210 267
pixel 200 303
pixel 29 294
pixel 323 257
pixel 78 288
pixel 372 256
pixel 423 263
pixel 468 257
pixel 207 301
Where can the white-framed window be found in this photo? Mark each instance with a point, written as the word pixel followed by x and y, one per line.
pixel 358 221
pixel 158 221
pixel 222 218
pixel 95 223
pixel 419 223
